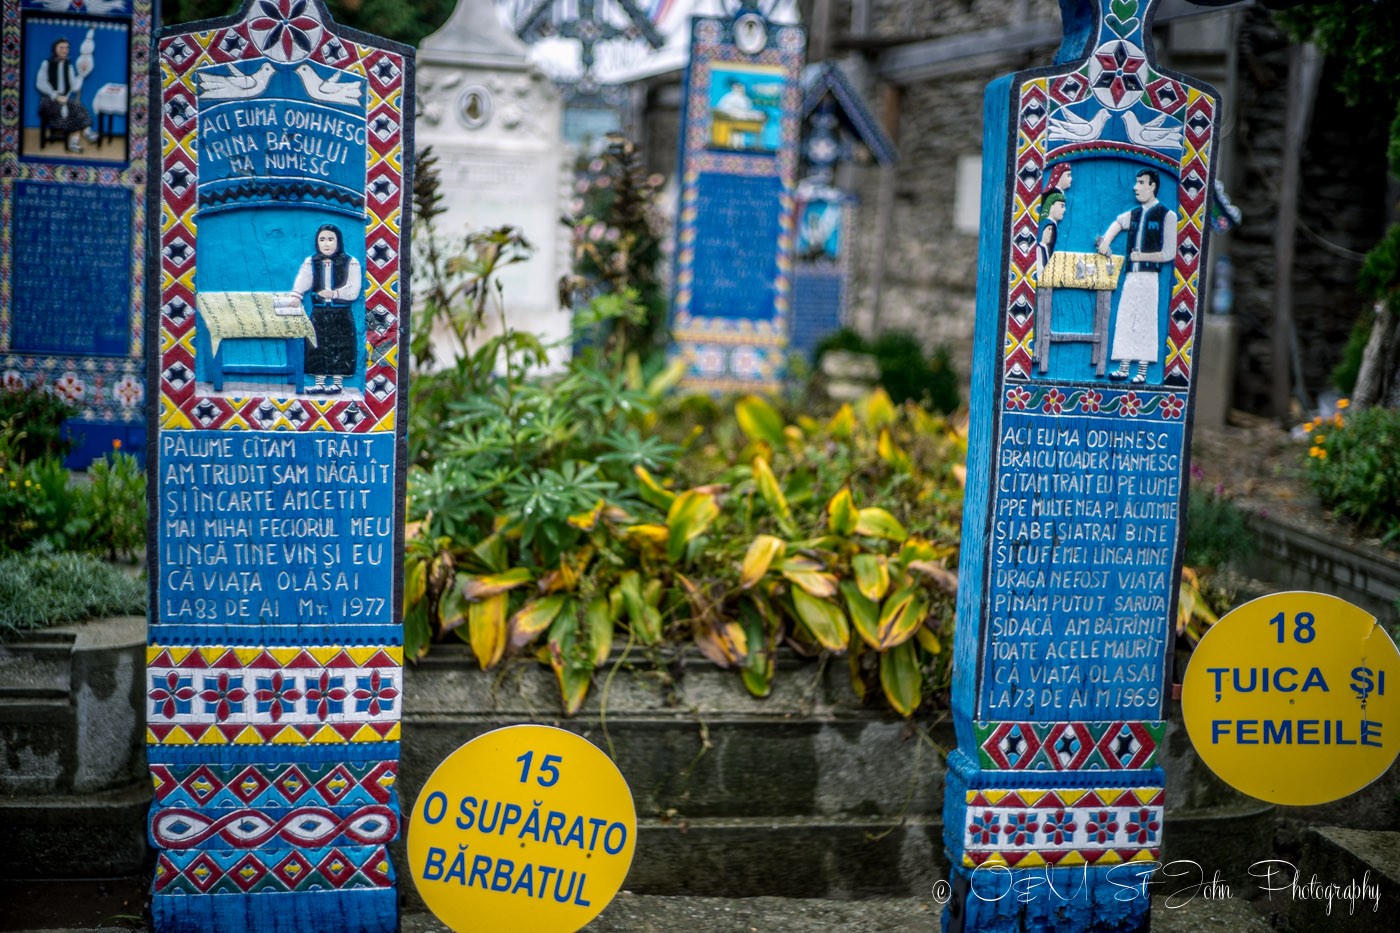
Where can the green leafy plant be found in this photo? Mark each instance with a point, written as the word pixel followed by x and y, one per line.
pixel 115 506
pixel 31 422
pixel 905 372
pixel 1354 466
pixel 1216 532
pixel 47 588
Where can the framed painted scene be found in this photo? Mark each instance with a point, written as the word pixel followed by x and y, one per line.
pixel 74 88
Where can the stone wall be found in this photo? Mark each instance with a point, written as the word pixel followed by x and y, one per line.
pixel 1341 214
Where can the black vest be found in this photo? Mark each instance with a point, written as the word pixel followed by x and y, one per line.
pixel 1151 237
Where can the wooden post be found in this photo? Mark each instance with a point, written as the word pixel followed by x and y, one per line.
pixel 1096 174
pixel 731 300
pixel 1304 69
pixel 280 173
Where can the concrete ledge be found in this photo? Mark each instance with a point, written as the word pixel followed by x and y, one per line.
pixel 1357 874
pixel 92 835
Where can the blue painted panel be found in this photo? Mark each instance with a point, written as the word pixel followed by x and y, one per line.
pixel 110 55
pixel 816 302
pixel 1083 537
pixel 273 533
pixel 72 278
pixel 736 246
pixel 93 440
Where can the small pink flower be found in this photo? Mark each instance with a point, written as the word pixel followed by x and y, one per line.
pixel 1018 398
pixel 1130 405
pixel 1090 401
pixel 1054 402
pixel 1172 406
pixel 70 387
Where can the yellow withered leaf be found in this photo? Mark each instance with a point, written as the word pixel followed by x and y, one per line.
pixel 760 556
pixel 878 523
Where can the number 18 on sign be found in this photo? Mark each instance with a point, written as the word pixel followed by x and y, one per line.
pixel 1292 698
pixel 528 828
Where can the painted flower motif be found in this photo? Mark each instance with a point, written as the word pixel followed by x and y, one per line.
pixel 1101 825
pixel 1091 400
pixel 1172 406
pixel 1130 404
pixel 1017 399
pixel 1021 829
pixel 223 696
pixel 172 696
pixel 326 696
pixel 1054 402
pixel 374 695
pixel 285 30
pixel 128 391
pixel 1142 827
pixel 985 828
pixel 276 695
pixel 11 380
pixel 70 387
pixel 1059 827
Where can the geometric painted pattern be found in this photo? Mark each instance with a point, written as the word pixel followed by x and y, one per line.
pixel 327 783
pixel 1068 746
pixel 341 868
pixel 252 828
pixel 1063 827
pixel 275 695
pixel 1145 405
pixel 726 354
pixel 181 404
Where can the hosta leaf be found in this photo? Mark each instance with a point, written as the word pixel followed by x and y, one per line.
pixel 901 679
pixel 759 420
pixel 916 548
pixel 534 618
pixel 759 558
pixel 872 575
pixel 900 617
pixel 823 619
pixel 415 584
pixel 599 621
pixel 587 521
pixel 667 379
pixel 841 513
pixel 644 619
pixel 758 664
pixel 890 452
pixel 865 613
pixel 944 578
pixel 877 523
pixel 486 626
pixel 647 535
pixel 452 609
pixel 573 674
pixel 877 410
pixel 929 639
pixel 843 423
pixel 690 514
pixel 491 551
pixel 651 491
pixel 416 633
pixel 772 493
pixel 810 575
pixel 724 644
pixel 478 588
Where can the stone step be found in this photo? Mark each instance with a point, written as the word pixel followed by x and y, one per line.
pixel 1346 880
pixel 82 836
pixel 37 667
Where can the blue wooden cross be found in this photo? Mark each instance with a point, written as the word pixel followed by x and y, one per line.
pixel 1095 186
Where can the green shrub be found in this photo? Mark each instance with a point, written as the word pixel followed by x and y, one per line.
pixel 905 373
pixel 1216 533
pixel 1349 366
pixel 115 506
pixel 48 588
pixel 1354 465
pixel 31 422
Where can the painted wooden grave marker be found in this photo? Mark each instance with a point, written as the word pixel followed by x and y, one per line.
pixel 73 159
pixel 279 296
pixel 1089 275
pixel 732 297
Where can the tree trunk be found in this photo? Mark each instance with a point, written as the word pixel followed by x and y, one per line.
pixel 1378 382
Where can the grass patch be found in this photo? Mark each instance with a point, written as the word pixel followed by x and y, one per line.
pixel 39 590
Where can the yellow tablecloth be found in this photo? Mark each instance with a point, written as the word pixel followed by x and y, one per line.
pixel 249 314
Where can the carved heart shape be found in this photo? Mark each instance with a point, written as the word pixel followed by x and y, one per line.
pixel 1124 9
pixel 1124 28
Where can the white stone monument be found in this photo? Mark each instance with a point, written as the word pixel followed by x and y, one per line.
pixel 495 124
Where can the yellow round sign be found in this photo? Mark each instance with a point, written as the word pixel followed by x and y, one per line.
pixel 1292 698
pixel 527 828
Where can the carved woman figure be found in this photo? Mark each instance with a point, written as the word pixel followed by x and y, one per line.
pixel 58 83
pixel 332 276
pixel 1151 247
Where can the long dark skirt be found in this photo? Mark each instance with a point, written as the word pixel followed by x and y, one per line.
pixel 51 113
pixel 334 353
